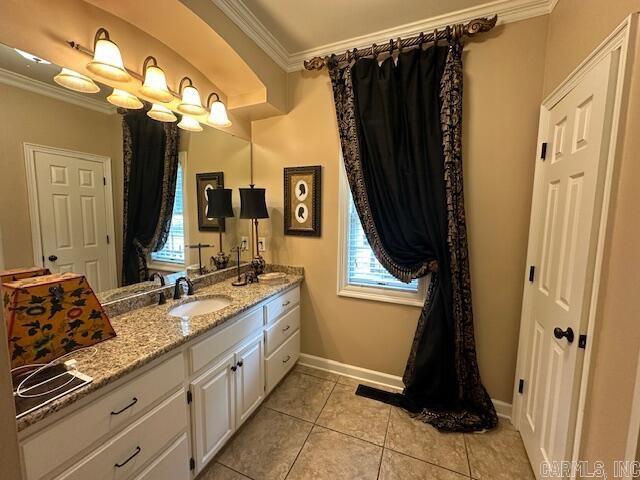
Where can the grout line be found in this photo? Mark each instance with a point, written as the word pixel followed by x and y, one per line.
pixel 384 442
pixel 427 461
pixel 466 451
pixel 227 466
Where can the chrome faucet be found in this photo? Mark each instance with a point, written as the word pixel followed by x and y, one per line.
pixel 177 290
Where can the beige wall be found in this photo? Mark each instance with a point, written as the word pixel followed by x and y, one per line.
pixel 29 117
pixel 576 27
pixel 501 120
pixel 215 151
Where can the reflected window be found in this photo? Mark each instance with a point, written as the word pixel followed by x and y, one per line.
pixel 173 250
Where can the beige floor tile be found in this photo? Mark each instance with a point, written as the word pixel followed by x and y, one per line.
pixel 216 471
pixel 420 440
pixel 498 455
pixel 396 466
pixel 332 456
pixel 300 395
pixel 353 382
pixel 357 416
pixel 266 446
pixel 332 377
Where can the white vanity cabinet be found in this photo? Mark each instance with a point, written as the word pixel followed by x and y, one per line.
pixel 168 421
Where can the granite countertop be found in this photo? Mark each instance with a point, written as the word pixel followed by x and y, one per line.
pixel 147 333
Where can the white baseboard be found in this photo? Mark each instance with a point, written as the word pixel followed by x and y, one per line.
pixel 384 379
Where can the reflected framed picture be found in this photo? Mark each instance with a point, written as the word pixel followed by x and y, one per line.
pixel 204 182
pixel 302 201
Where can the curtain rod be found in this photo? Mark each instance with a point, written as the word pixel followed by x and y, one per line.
pixel 459 30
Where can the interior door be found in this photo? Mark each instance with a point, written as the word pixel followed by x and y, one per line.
pixel 249 378
pixel 563 240
pixel 73 216
pixel 213 409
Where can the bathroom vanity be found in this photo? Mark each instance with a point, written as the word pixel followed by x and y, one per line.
pixel 167 392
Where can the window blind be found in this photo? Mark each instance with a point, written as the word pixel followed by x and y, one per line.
pixel 173 250
pixel 364 269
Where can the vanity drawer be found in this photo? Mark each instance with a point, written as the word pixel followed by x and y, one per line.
pixel 122 455
pixel 282 329
pixel 284 302
pixel 212 347
pixel 282 360
pixel 59 442
pixel 172 464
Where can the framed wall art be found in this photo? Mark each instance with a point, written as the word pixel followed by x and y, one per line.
pixel 302 201
pixel 204 182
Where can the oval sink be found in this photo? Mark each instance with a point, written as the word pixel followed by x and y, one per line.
pixel 199 307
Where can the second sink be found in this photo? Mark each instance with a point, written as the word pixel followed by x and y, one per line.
pixel 199 307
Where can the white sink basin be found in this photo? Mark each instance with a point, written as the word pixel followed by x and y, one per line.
pixel 199 307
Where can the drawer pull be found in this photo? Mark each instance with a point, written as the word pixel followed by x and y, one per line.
pixel 240 363
pixel 138 450
pixel 286 359
pixel 286 328
pixel 133 402
pixel 286 303
pixel 234 368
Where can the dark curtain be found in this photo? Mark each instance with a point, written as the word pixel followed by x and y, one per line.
pixel 400 128
pixel 150 169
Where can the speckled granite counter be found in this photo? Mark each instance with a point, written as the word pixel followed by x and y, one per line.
pixel 147 333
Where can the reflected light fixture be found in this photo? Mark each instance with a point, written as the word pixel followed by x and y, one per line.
pixel 107 60
pixel 155 82
pixel 32 57
pixel 190 124
pixel 161 113
pixel 218 115
pixel 75 81
pixel 121 98
pixel 191 102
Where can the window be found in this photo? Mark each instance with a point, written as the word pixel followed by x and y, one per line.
pixel 360 274
pixel 173 250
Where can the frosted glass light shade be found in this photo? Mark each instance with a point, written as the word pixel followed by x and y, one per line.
pixel 121 98
pixel 190 124
pixel 191 102
pixel 161 113
pixel 218 115
pixel 76 81
pixel 155 85
pixel 107 61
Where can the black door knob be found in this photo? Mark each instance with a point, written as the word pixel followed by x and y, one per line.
pixel 52 258
pixel 568 334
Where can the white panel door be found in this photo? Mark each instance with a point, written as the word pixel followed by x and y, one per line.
pixel 73 216
pixel 213 409
pixel 563 238
pixel 249 378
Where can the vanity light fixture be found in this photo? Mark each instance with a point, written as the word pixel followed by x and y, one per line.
pixel 161 113
pixel 75 81
pixel 218 115
pixel 121 98
pixel 107 60
pixel 191 102
pixel 155 82
pixel 190 124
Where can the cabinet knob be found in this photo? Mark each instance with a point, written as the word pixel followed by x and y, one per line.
pixel 53 258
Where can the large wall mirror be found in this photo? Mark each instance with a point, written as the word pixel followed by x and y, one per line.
pixel 63 177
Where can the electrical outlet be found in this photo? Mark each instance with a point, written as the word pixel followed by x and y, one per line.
pixel 244 244
pixel 262 244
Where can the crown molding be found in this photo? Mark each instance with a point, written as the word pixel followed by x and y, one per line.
pixel 20 81
pixel 508 11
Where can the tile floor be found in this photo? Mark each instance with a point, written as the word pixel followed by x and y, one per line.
pixel 313 426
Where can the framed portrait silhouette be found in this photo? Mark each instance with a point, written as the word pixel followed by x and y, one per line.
pixel 204 182
pixel 302 201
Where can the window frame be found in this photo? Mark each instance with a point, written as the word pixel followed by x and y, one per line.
pixel 346 289
pixel 171 266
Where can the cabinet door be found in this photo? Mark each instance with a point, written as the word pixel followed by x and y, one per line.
pixel 213 409
pixel 249 378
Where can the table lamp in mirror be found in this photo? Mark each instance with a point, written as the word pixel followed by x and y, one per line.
pixel 219 206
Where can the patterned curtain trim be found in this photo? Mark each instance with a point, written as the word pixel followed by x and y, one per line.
pixel 343 97
pixel 127 157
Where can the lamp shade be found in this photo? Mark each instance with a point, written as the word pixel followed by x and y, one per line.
pixel 218 115
pixel 107 60
pixel 219 203
pixel 190 124
pixel 190 102
pixel 76 81
pixel 252 203
pixel 161 113
pixel 121 98
pixel 155 82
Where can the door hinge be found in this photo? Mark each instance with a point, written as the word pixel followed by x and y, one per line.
pixel 192 464
pixel 189 397
pixel 521 386
pixel 543 151
pixel 582 341
pixel 532 273
pixel 104 181
pixel 108 240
